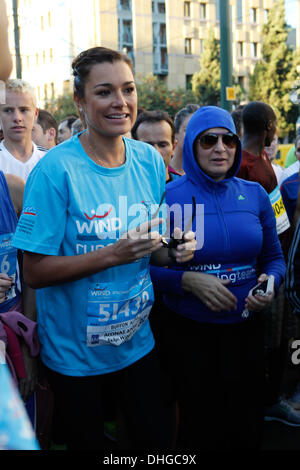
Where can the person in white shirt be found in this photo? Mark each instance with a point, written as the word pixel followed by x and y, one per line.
pixel 271 151
pixel 294 167
pixel 18 154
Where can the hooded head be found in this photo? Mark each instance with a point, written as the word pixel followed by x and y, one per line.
pixel 207 117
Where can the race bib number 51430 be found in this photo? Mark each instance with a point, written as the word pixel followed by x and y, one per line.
pixel 114 315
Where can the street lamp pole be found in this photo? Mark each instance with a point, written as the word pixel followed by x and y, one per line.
pixel 226 52
pixel 17 39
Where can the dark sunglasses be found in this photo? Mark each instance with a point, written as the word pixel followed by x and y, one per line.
pixel 210 139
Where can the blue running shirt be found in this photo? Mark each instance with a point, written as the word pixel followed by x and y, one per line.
pixel 8 254
pixel 73 206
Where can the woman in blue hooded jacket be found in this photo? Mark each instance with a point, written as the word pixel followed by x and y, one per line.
pixel 212 338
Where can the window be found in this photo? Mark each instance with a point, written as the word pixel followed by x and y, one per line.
pixel 164 59
pixel 51 54
pixel 253 49
pixel 187 9
pixel 159 38
pixel 127 32
pixel 217 6
pixel 241 81
pixel 239 11
pixel 188 82
pixel 37 59
pixel 49 19
pixel 188 46
pixel 202 11
pixel 125 35
pixel 45 91
pixel 266 15
pixel 240 49
pixel 42 23
pixel 44 57
pixel 201 45
pixel 52 90
pixel 253 15
pixel 162 33
pixel 161 8
pixel 124 4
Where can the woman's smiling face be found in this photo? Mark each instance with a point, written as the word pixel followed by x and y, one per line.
pixel 110 99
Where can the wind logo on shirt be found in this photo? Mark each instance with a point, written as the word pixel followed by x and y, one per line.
pixel 234 274
pixel 29 210
pixel 27 220
pixel 6 242
pixel 96 226
pixel 96 216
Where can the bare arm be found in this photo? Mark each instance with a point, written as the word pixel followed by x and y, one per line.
pixel 5 56
pixel 16 187
pixel 211 290
pixel 27 384
pixel 43 270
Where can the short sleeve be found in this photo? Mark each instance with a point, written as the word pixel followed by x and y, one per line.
pixel 42 223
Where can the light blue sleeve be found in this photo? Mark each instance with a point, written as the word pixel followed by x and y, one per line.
pixel 16 432
pixel 42 223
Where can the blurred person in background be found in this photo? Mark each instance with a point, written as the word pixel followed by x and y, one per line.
pixel 45 128
pixel 157 129
pixel 181 120
pixel 65 128
pixel 18 153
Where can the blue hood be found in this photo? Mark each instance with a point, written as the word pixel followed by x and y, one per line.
pixel 207 117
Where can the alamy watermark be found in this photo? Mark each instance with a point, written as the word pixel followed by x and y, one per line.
pixel 295 358
pixel 139 220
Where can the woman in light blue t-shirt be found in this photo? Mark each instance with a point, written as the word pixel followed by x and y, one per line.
pixel 85 230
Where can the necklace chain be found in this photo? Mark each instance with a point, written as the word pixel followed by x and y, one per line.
pixel 94 153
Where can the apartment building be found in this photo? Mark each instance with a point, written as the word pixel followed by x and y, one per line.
pixel 163 37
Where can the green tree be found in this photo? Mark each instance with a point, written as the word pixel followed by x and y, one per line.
pixel 61 106
pixel 153 94
pixel 274 74
pixel 206 84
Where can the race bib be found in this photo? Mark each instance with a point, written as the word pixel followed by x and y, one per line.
pixel 8 261
pixel 115 313
pixel 282 220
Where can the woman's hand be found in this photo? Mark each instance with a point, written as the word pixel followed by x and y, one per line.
pixel 259 302
pixel 138 242
pixel 28 383
pixel 5 285
pixel 211 290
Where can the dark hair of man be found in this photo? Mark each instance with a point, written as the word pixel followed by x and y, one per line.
pixel 153 117
pixel 257 117
pixel 83 63
pixel 46 120
pixel 237 118
pixel 183 113
pixel 69 120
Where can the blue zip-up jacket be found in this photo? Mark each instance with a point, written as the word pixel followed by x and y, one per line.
pixel 8 254
pixel 238 229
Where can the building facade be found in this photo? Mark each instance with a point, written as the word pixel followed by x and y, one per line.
pixel 163 37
